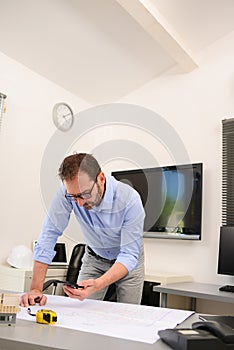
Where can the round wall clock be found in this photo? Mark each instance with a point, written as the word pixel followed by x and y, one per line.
pixel 63 116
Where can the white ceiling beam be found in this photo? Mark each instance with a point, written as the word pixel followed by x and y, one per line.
pixel 146 14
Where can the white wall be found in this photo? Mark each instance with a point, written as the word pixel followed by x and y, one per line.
pixel 194 104
pixel 26 130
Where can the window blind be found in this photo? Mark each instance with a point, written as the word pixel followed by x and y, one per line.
pixel 228 172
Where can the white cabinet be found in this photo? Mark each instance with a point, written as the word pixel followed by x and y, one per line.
pixel 165 277
pixel 154 278
pixel 19 280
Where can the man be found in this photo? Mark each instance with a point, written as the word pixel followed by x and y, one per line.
pixel 111 217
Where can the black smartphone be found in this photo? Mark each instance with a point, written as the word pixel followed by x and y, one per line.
pixel 73 285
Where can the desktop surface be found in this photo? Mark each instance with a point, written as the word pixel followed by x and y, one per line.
pixel 26 335
pixel 196 290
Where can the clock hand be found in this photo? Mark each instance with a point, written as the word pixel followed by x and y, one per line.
pixel 65 115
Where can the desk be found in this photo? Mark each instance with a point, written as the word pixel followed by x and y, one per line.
pixel 193 290
pixel 165 278
pixel 155 278
pixel 26 335
pixel 19 280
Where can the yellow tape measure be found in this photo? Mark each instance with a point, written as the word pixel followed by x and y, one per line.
pixel 45 316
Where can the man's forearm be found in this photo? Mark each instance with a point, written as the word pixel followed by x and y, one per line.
pixel 115 273
pixel 39 273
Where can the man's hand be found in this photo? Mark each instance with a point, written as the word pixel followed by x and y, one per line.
pixel 115 273
pixel 33 297
pixel 90 286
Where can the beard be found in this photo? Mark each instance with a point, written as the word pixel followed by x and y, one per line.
pixel 96 202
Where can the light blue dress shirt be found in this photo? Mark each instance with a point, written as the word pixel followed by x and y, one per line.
pixel 114 229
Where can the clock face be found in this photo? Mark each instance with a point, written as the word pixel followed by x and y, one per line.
pixel 63 116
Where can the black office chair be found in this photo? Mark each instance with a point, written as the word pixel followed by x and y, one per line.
pixel 73 268
pixel 73 272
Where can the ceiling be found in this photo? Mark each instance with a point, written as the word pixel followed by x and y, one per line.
pixel 101 50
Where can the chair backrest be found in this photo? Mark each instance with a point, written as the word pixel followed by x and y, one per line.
pixel 75 262
pixel 74 269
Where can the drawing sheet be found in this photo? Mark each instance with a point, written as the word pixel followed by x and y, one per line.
pixel 134 322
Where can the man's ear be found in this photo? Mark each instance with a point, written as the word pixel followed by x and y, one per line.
pixel 102 177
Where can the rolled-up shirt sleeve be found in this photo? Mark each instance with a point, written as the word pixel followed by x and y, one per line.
pixel 132 234
pixel 53 226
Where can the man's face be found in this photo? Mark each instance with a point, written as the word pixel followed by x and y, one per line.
pixel 84 187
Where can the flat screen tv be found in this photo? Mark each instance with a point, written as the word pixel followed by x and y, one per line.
pixel 172 199
pixel 226 251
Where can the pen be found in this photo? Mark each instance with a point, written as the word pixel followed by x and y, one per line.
pixel 202 318
pixel 37 299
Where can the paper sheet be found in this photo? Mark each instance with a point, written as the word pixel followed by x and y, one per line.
pixel 127 321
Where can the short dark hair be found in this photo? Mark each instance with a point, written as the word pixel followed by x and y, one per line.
pixel 83 162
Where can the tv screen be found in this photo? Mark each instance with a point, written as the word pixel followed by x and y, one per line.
pixel 172 199
pixel 226 249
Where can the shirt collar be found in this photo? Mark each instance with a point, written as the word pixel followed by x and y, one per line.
pixel 108 198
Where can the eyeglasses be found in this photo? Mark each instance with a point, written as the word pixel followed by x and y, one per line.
pixel 84 195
